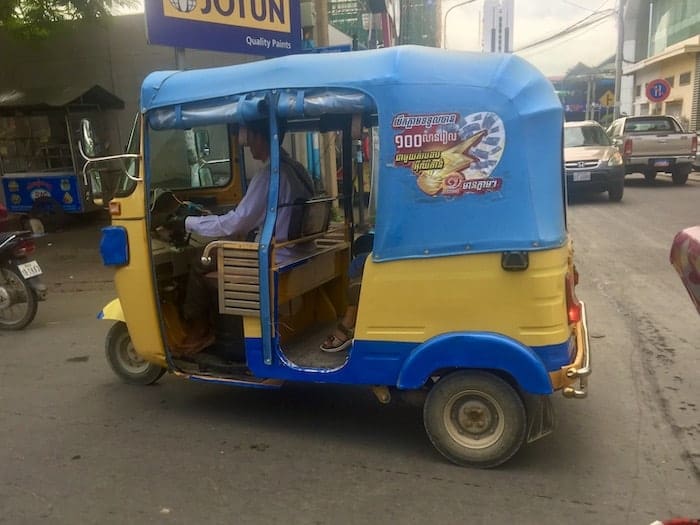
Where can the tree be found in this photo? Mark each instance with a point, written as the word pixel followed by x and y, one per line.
pixel 38 18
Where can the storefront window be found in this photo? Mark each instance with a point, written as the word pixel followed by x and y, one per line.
pixel 672 21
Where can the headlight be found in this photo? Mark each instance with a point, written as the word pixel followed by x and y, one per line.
pixel 615 159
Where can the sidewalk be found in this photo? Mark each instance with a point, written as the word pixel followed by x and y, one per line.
pixel 71 258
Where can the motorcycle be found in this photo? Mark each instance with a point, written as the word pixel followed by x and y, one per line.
pixel 21 288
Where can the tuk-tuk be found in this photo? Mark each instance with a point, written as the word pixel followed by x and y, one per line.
pixel 468 294
pixel 685 259
pixel 40 165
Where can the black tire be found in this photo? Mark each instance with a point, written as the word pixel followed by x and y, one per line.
pixel 650 176
pixel 124 360
pixel 19 315
pixel 679 175
pixel 50 213
pixel 616 190
pixel 458 408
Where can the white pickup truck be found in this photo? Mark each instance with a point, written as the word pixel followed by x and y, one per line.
pixel 654 143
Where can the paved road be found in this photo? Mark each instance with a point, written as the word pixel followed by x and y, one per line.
pixel 80 447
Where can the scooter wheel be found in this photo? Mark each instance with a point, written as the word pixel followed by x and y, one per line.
pixel 18 302
pixel 125 362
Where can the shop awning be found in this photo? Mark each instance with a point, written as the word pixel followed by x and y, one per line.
pixel 58 97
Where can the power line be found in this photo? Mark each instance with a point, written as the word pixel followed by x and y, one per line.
pixel 593 11
pixel 567 37
pixel 587 21
pixel 579 6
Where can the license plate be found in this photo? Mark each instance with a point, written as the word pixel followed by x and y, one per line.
pixel 580 176
pixel 30 269
pixel 662 163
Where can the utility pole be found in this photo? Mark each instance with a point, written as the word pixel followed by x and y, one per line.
pixel 180 58
pixel 618 55
pixel 589 88
pixel 321 7
pixel 327 140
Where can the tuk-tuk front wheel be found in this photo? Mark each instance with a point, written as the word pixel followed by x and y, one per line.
pixel 125 362
pixel 475 419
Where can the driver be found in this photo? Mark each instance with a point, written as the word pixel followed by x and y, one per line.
pixel 296 187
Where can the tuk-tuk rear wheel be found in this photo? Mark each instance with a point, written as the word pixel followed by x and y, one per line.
pixel 125 362
pixel 475 418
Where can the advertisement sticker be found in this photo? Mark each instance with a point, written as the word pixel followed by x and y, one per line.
pixel 449 154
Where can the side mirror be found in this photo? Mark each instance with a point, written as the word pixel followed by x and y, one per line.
pixel 87 138
pixel 201 140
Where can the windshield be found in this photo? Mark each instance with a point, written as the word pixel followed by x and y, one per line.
pixel 579 136
pixel 193 158
pixel 642 125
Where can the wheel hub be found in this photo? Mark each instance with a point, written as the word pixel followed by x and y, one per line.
pixel 474 419
pixel 130 360
pixel 5 301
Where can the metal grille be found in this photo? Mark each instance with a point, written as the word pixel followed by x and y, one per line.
pixel 239 279
pixel 581 164
pixel 695 107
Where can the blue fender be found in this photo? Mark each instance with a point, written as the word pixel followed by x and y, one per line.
pixel 483 350
pixel 112 310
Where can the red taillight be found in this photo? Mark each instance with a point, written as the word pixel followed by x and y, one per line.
pixel 3 212
pixel 573 307
pixel 24 248
pixel 627 149
pixel 694 145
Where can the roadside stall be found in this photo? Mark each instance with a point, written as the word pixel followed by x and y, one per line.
pixel 40 165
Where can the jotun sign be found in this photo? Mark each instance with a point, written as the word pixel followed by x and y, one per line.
pixel 258 27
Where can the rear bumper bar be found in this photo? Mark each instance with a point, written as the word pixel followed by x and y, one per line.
pixel 581 368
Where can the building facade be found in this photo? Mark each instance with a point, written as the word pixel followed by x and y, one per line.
pixel 662 42
pixel 497 26
pixel 415 21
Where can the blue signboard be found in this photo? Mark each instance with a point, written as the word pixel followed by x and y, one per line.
pixel 21 191
pixel 257 27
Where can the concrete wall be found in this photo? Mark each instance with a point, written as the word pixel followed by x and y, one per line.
pixel 679 103
pixel 112 52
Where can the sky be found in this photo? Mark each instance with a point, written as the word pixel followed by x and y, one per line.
pixel 537 19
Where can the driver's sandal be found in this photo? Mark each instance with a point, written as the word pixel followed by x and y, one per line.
pixel 333 343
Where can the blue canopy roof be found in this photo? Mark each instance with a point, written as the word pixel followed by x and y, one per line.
pixel 470 143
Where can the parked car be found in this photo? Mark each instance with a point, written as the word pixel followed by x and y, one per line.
pixel 654 143
pixel 592 161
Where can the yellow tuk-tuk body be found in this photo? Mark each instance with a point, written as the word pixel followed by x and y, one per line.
pixel 468 294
